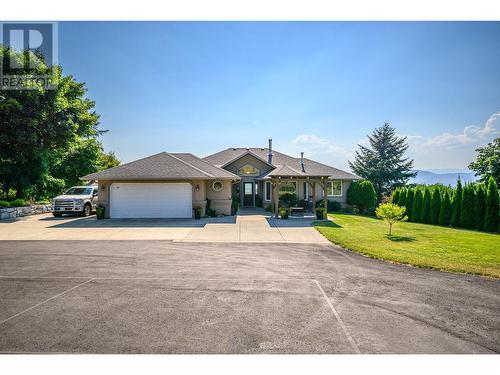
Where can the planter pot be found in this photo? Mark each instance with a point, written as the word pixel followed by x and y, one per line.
pixel 99 212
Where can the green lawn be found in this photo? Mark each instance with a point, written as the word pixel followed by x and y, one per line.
pixel 421 245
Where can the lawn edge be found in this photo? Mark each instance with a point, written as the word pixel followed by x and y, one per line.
pixel 370 256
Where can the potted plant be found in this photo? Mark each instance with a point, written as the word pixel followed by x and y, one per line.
pixel 284 213
pixel 99 212
pixel 197 213
pixel 320 213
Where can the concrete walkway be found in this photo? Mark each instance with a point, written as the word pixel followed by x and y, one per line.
pixel 249 226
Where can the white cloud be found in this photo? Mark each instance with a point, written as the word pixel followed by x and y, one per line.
pixel 322 150
pixel 471 135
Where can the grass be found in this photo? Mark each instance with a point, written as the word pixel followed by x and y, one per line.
pixel 421 245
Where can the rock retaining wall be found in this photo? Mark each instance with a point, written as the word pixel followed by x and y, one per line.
pixel 13 212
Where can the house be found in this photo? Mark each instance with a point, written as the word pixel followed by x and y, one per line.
pixel 170 185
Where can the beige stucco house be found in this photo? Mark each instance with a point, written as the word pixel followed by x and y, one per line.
pixel 172 184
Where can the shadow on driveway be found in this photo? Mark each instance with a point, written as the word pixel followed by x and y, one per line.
pixel 92 222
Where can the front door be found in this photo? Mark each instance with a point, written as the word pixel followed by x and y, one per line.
pixel 248 194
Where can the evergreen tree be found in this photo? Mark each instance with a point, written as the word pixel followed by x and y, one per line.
pixel 491 217
pixel 445 210
pixel 467 207
pixel 384 163
pixel 456 205
pixel 402 198
pixel 416 212
pixel 435 205
pixel 488 162
pixel 479 206
pixel 426 206
pixel 410 196
pixel 395 196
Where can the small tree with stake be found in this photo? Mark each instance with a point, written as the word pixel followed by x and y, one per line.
pixel 391 213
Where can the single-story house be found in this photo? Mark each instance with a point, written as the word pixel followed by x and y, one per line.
pixel 170 185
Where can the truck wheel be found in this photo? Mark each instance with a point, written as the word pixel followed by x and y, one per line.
pixel 56 214
pixel 86 210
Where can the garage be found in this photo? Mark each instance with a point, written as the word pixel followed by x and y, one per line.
pixel 151 200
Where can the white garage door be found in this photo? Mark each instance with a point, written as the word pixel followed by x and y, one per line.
pixel 150 200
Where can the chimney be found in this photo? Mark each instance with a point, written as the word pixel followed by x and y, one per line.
pixel 302 161
pixel 270 152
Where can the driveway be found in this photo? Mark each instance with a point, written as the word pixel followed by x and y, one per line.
pixel 179 297
pixel 257 226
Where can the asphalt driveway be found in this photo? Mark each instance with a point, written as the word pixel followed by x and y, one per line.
pixel 168 297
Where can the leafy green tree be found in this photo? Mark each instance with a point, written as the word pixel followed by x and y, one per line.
pixel 410 196
pixel 445 210
pixel 426 206
pixel 392 213
pixel 492 202
pixel 467 207
pixel 361 194
pixel 416 212
pixel 384 163
pixel 487 163
pixel 479 206
pixel 38 125
pixel 457 205
pixel 435 205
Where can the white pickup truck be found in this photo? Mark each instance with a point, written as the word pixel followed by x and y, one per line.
pixel 80 200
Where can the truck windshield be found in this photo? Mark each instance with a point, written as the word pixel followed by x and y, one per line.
pixel 79 191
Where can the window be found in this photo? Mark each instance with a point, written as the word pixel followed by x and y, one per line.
pixel 288 187
pixel 79 191
pixel 306 191
pixel 248 170
pixel 334 188
pixel 217 185
pixel 268 191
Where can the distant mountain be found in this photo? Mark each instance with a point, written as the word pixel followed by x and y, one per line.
pixel 428 177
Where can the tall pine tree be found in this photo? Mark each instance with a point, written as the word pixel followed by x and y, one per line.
pixel 416 212
pixel 491 217
pixel 456 206
pixel 480 206
pixel 395 196
pixel 384 163
pixel 402 198
pixel 467 207
pixel 445 210
pixel 435 205
pixel 426 206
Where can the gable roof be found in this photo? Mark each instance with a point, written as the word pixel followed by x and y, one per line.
pixel 285 165
pixel 164 166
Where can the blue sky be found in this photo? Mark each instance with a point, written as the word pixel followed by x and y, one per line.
pixel 318 87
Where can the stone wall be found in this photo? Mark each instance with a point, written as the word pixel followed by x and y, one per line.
pixel 13 212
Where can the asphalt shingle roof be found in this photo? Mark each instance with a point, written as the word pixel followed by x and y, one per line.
pixel 163 166
pixel 280 161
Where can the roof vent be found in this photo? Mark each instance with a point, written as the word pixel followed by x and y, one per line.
pixel 302 161
pixel 234 149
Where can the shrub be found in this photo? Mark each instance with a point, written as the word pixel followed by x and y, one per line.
pixel 410 197
pixel 99 211
pixel 445 210
pixel 18 203
pixel 416 211
pixel 362 195
pixel 392 213
pixel 467 207
pixel 426 206
pixel 491 216
pixel 395 196
pixel 479 206
pixel 435 206
pixel 284 213
pixel 402 197
pixel 456 206
pixel 288 200
pixel 320 213
pixel 302 203
pixel 4 204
